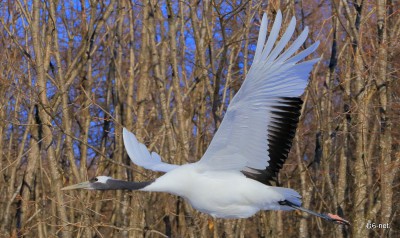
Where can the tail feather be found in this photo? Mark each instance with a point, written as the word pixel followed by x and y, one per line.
pixel 290 195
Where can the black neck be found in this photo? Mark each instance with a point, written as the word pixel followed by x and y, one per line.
pixel 114 184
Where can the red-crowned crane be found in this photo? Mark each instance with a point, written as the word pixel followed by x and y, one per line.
pixel 233 178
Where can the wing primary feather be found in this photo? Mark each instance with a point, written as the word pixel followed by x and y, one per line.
pixel 303 54
pixel 294 47
pixel 272 36
pixel 283 42
pixel 261 37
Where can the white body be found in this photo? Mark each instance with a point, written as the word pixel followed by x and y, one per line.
pixel 227 194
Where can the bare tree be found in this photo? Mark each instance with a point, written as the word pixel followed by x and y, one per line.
pixel 74 73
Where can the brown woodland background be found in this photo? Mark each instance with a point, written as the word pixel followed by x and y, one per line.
pixel 73 73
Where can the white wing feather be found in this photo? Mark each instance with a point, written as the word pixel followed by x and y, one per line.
pixel 141 156
pixel 241 139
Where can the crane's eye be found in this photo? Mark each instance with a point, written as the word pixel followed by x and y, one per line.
pixel 94 180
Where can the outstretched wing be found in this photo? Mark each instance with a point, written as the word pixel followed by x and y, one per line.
pixel 141 156
pixel 256 133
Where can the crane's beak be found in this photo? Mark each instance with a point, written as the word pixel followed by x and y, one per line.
pixel 84 185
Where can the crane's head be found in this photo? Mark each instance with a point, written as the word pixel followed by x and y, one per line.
pixel 97 183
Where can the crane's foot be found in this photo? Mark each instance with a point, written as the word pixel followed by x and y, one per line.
pixel 337 219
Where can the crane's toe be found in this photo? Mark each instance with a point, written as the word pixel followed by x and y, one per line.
pixel 337 219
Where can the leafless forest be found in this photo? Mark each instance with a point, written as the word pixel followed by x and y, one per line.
pixel 73 73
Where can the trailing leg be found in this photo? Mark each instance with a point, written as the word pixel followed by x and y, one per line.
pixel 327 216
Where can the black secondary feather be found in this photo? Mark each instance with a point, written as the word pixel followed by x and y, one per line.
pixel 281 131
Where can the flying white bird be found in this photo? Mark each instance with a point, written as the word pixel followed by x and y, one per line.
pixel 233 178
